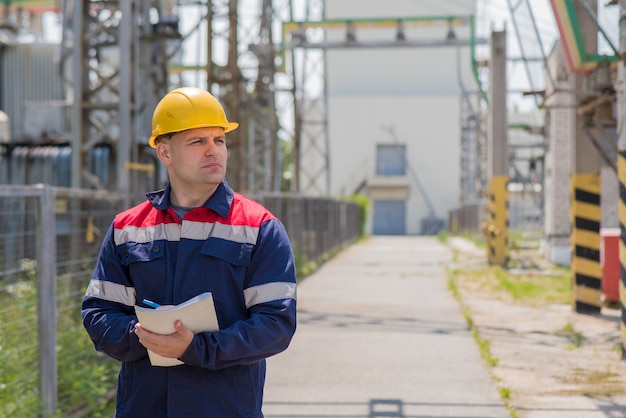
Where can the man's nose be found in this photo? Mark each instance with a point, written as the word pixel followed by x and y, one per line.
pixel 209 148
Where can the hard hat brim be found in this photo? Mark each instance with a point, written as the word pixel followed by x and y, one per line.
pixel 228 127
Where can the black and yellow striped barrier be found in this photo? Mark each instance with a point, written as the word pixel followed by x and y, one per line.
pixel 585 216
pixel 496 225
pixel 621 174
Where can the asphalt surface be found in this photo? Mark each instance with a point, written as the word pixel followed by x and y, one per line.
pixel 380 335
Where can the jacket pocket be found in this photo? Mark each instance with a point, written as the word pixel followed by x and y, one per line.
pixel 136 253
pixel 235 253
pixel 147 265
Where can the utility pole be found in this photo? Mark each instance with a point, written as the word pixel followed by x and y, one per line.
pixel 496 222
pixel 232 100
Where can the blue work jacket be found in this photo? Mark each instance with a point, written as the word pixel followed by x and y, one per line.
pixel 231 246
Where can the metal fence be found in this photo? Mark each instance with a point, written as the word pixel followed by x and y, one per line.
pixel 467 218
pixel 49 241
pixel 523 211
pixel 315 226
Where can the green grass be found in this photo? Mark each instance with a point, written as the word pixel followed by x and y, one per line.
pixel 521 280
pixel 532 288
pixel 85 378
pixel 537 289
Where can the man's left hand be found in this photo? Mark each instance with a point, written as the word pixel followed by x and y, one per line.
pixel 172 345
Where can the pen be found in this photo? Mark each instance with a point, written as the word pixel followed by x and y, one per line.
pixel 151 304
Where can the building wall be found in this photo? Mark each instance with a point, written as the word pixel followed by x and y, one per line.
pixel 429 126
pixel 414 91
pixel 344 9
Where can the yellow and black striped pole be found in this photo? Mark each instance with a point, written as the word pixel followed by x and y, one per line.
pixel 621 170
pixel 496 225
pixel 621 173
pixel 585 216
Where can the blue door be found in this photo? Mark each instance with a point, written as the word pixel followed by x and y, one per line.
pixel 389 217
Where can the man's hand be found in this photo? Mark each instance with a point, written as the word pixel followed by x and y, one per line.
pixel 172 345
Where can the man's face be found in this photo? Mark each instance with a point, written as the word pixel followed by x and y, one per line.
pixel 195 157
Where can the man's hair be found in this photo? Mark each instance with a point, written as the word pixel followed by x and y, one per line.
pixel 164 136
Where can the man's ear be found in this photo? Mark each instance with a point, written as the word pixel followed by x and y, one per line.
pixel 163 152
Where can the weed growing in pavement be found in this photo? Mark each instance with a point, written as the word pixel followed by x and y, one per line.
pixel 575 336
pixel 483 344
pixel 505 393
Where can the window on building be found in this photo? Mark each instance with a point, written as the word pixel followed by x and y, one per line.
pixel 390 160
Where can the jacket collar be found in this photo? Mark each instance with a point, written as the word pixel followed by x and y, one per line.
pixel 219 202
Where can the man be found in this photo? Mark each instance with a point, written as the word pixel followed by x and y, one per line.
pixel 196 235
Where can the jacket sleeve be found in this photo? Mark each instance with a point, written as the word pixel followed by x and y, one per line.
pixel 271 302
pixel 108 306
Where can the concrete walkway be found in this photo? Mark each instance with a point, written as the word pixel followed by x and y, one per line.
pixel 380 335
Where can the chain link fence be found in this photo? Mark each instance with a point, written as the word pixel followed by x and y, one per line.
pixel 49 241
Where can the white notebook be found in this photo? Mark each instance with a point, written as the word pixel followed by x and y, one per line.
pixel 197 314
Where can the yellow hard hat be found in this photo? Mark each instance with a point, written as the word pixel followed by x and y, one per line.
pixel 188 108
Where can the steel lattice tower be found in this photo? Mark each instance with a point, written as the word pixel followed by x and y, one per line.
pixel 121 57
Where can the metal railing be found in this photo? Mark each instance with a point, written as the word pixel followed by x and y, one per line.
pixel 49 240
pixel 315 226
pixel 467 218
